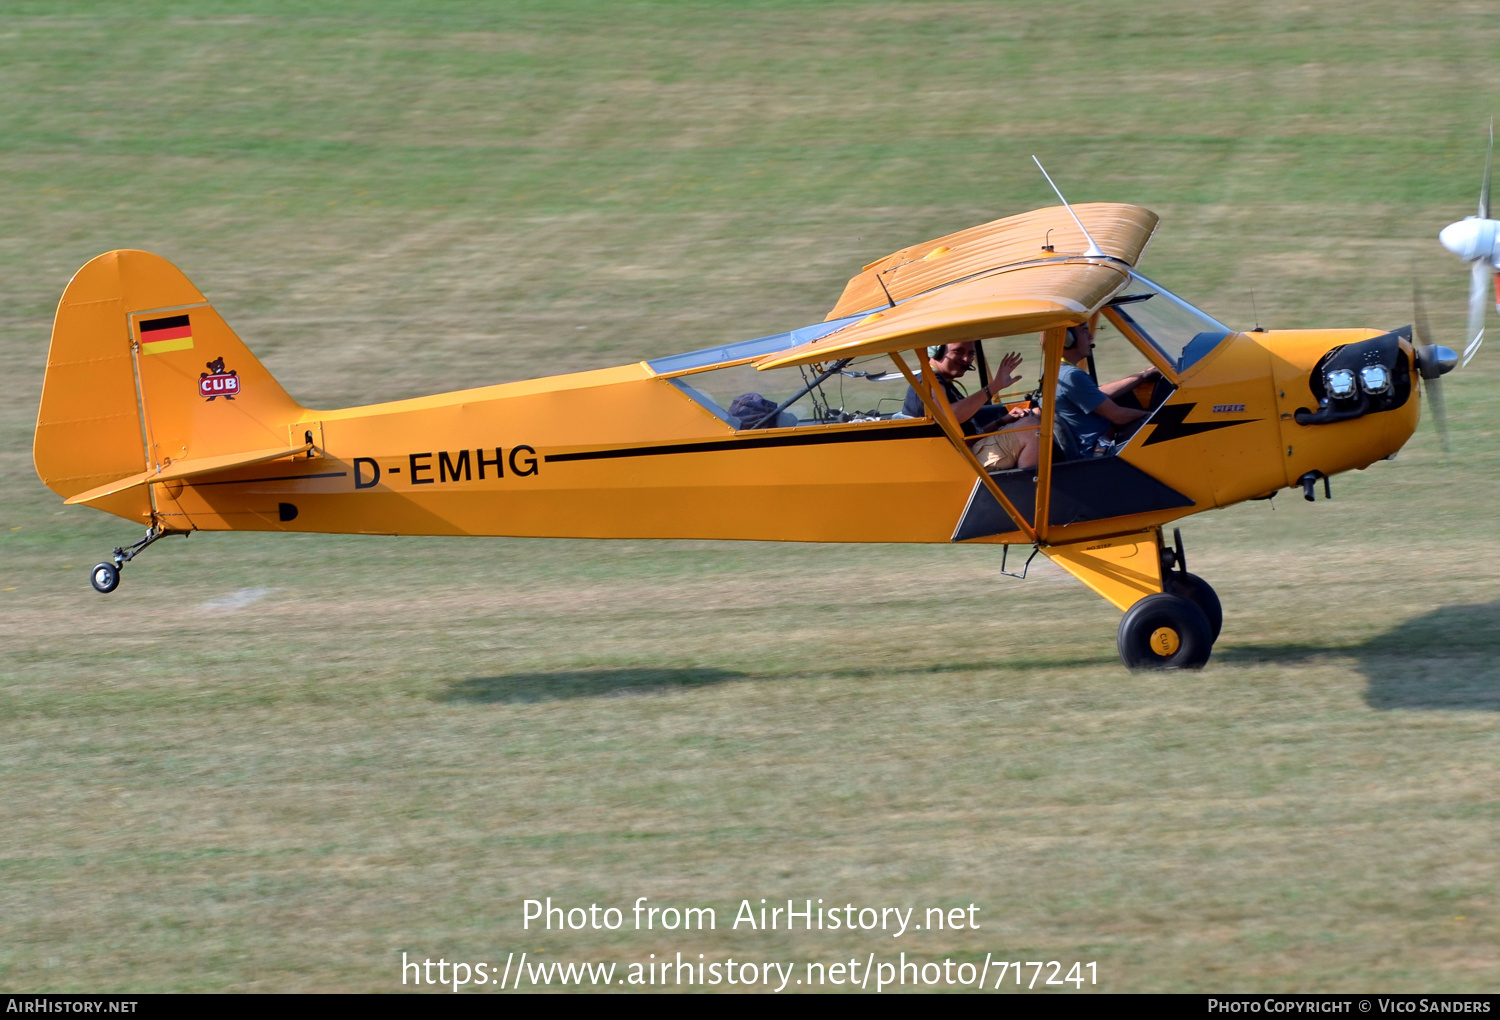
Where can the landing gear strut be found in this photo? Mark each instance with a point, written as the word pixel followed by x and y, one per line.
pixel 105 577
pixel 1177 628
pixel 1197 591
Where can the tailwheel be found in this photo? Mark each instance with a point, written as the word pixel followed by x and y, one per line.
pixel 105 578
pixel 1165 632
pixel 1199 593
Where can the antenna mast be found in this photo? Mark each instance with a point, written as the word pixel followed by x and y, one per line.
pixel 1094 249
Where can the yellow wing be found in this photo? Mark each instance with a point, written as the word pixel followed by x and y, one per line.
pixel 996 279
pixel 1121 230
pixel 1023 299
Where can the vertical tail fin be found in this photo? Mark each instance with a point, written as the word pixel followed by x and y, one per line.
pixel 142 372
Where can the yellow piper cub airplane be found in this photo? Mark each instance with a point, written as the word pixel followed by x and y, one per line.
pixel 155 411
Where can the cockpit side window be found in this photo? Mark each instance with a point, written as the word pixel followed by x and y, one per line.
pixel 724 381
pixel 747 350
pixel 864 390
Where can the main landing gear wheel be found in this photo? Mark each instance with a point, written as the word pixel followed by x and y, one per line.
pixel 1164 632
pixel 105 578
pixel 1199 593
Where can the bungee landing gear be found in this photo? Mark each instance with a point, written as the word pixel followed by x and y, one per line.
pixel 1177 628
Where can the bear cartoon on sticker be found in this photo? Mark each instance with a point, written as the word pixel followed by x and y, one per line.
pixel 218 383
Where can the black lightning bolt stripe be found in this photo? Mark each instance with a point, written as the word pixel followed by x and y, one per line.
pixel 1170 421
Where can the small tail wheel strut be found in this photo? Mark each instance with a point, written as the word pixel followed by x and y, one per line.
pixel 105 577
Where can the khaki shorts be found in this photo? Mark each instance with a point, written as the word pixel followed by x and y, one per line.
pixel 1000 451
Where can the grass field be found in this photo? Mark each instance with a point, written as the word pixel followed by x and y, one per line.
pixel 276 763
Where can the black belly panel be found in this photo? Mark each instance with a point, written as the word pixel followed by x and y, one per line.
pixel 1082 490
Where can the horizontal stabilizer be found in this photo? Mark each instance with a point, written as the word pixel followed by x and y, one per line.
pixel 180 469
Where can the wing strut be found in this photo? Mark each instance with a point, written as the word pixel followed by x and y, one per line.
pixel 1052 343
pixel 937 406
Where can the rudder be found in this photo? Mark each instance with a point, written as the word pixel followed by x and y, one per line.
pixel 142 372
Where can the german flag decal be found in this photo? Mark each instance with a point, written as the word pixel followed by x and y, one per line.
pixel 174 333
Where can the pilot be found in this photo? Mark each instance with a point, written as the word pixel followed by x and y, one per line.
pixel 1015 444
pixel 1086 410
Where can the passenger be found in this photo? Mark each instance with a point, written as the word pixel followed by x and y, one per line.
pixel 750 410
pixel 1016 444
pixel 950 362
pixel 1085 410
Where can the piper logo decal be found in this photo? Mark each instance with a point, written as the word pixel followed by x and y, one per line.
pixel 1171 422
pixel 218 383
pixel 1229 409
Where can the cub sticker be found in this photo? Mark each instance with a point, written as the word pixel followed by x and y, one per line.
pixel 218 383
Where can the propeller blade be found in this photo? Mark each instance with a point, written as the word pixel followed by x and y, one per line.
pixel 1420 332
pixel 1433 360
pixel 1480 280
pixel 1484 191
pixel 1428 363
pixel 1434 389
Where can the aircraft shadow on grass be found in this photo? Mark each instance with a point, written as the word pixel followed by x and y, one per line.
pixel 523 688
pixel 1446 659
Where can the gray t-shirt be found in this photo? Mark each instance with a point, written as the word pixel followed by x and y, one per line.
pixel 1078 428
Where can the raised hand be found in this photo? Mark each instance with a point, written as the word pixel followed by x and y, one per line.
pixel 1008 374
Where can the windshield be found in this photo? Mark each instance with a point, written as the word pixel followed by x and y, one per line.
pixel 1181 332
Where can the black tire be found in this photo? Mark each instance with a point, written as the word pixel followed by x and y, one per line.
pixel 105 578
pixel 1164 632
pixel 1199 593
